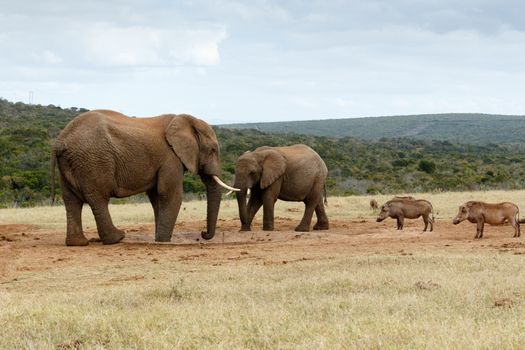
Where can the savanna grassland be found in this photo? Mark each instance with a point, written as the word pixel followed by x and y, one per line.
pixel 360 284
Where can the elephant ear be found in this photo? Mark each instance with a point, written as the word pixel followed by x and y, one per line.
pixel 273 167
pixel 182 137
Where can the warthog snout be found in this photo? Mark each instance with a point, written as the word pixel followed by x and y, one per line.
pixel 455 221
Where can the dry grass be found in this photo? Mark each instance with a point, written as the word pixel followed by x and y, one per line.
pixel 358 301
pixel 355 207
pixel 351 299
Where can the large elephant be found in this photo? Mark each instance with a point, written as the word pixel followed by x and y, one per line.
pixel 293 173
pixel 103 154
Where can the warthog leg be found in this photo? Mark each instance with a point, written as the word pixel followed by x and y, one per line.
pixel 479 229
pixel 516 226
pixel 400 222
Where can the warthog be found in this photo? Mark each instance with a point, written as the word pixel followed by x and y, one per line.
pixel 402 197
pixel 400 209
pixel 492 214
pixel 373 204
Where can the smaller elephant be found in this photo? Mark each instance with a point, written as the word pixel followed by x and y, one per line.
pixel 291 173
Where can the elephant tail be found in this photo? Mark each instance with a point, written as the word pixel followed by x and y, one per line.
pixel 53 166
pixel 325 196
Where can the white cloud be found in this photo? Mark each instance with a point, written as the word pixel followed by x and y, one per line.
pixel 112 45
pixel 266 59
pixel 47 57
pixel 344 102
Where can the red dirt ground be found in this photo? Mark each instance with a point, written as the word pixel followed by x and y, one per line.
pixel 27 248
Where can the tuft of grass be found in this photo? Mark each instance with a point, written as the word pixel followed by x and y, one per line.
pixel 174 292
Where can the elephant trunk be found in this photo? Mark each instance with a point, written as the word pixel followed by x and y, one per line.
pixel 213 194
pixel 243 213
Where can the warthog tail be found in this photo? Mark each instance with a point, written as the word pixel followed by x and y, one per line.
pixel 518 221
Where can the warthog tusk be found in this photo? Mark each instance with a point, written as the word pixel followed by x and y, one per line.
pixel 217 180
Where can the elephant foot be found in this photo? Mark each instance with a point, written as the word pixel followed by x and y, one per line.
pixel 114 237
pixel 164 238
pixel 321 226
pixel 245 228
pixel 77 241
pixel 207 236
pixel 268 228
pixel 302 229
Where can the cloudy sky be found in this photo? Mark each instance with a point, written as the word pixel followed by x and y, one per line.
pixel 242 61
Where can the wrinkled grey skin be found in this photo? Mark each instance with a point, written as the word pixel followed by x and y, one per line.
pixel 492 214
pixel 399 208
pixel 102 154
pixel 293 173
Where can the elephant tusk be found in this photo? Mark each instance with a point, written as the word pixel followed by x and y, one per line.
pixel 230 192
pixel 216 178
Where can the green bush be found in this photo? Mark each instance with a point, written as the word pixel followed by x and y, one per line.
pixel 427 166
pixel 355 166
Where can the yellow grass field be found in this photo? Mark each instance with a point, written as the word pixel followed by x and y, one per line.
pixel 359 285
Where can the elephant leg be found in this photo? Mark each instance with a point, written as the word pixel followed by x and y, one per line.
pixel 268 211
pixel 73 204
pixel 310 205
pixel 154 200
pixel 322 219
pixel 169 198
pixel 169 207
pixel 108 233
pixel 254 204
pixel 304 225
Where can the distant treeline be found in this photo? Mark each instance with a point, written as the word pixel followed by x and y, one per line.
pixel 470 128
pixel 355 166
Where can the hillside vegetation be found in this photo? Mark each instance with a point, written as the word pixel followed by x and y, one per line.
pixel 479 129
pixel 355 166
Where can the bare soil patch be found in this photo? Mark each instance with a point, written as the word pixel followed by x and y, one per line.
pixel 28 248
